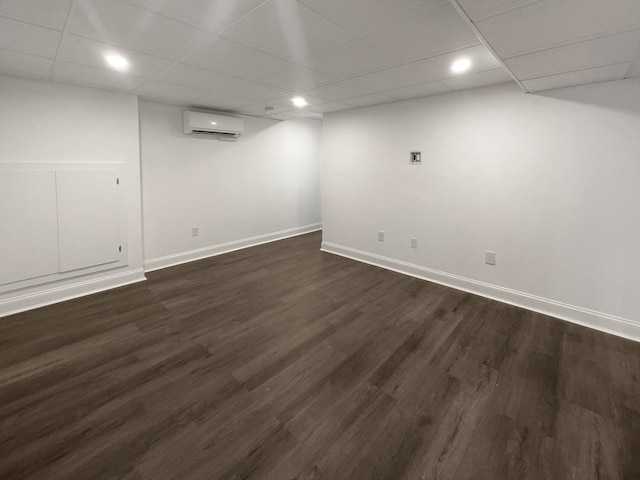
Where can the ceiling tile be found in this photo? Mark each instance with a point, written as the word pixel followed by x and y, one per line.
pixel 286 28
pixel 198 78
pixel 22 64
pixel 285 101
pixel 46 13
pixel 338 91
pixel 634 69
pixel 602 51
pixel 339 61
pixel 280 116
pixel 416 91
pixel 253 111
pixel 394 78
pixel 258 109
pixel 435 31
pixel 122 24
pixel 30 39
pixel 302 113
pixel 217 83
pixel 330 107
pixel 256 91
pixel 210 15
pixel 166 93
pixel 479 79
pixel 230 58
pixel 364 16
pixel 373 99
pixel 425 71
pixel 546 24
pixel 91 53
pixel 94 77
pixel 487 8
pixel 294 77
pixel 582 77
pixel 220 102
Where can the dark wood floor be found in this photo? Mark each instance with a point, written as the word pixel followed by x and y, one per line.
pixel 283 362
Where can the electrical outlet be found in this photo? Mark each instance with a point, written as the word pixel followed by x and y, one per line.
pixel 381 236
pixel 195 231
pixel 414 243
pixel 490 257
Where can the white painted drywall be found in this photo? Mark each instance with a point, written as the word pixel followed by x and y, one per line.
pixel 550 182
pixel 266 182
pixel 46 126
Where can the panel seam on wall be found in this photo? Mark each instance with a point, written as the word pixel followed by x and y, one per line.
pixel 604 322
pixel 55 180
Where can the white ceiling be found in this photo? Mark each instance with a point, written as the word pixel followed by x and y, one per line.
pixel 243 55
pixel 552 44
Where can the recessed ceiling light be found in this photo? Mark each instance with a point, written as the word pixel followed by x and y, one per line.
pixel 299 102
pixel 117 62
pixel 461 65
pixel 213 123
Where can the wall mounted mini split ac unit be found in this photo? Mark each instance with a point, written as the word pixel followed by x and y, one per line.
pixel 223 127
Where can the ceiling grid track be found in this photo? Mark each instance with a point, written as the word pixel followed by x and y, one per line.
pixel 73 7
pixel 473 27
pixel 634 64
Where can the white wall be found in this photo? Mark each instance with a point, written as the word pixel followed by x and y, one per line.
pixel 48 126
pixel 550 182
pixel 262 187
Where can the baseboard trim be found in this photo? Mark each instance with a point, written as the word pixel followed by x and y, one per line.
pixel 206 252
pixel 604 322
pixel 40 298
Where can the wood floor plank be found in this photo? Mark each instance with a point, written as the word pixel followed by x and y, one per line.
pixel 282 362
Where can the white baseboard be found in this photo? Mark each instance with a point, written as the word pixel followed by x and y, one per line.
pixel 589 318
pixel 200 253
pixel 16 302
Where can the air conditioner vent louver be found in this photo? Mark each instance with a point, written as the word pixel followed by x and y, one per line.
pixel 204 132
pixel 214 134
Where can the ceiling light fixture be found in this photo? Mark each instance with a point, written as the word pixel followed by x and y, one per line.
pixel 213 123
pixel 117 62
pixel 461 65
pixel 299 102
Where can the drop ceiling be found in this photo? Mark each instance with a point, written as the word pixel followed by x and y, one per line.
pixel 243 55
pixel 550 44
